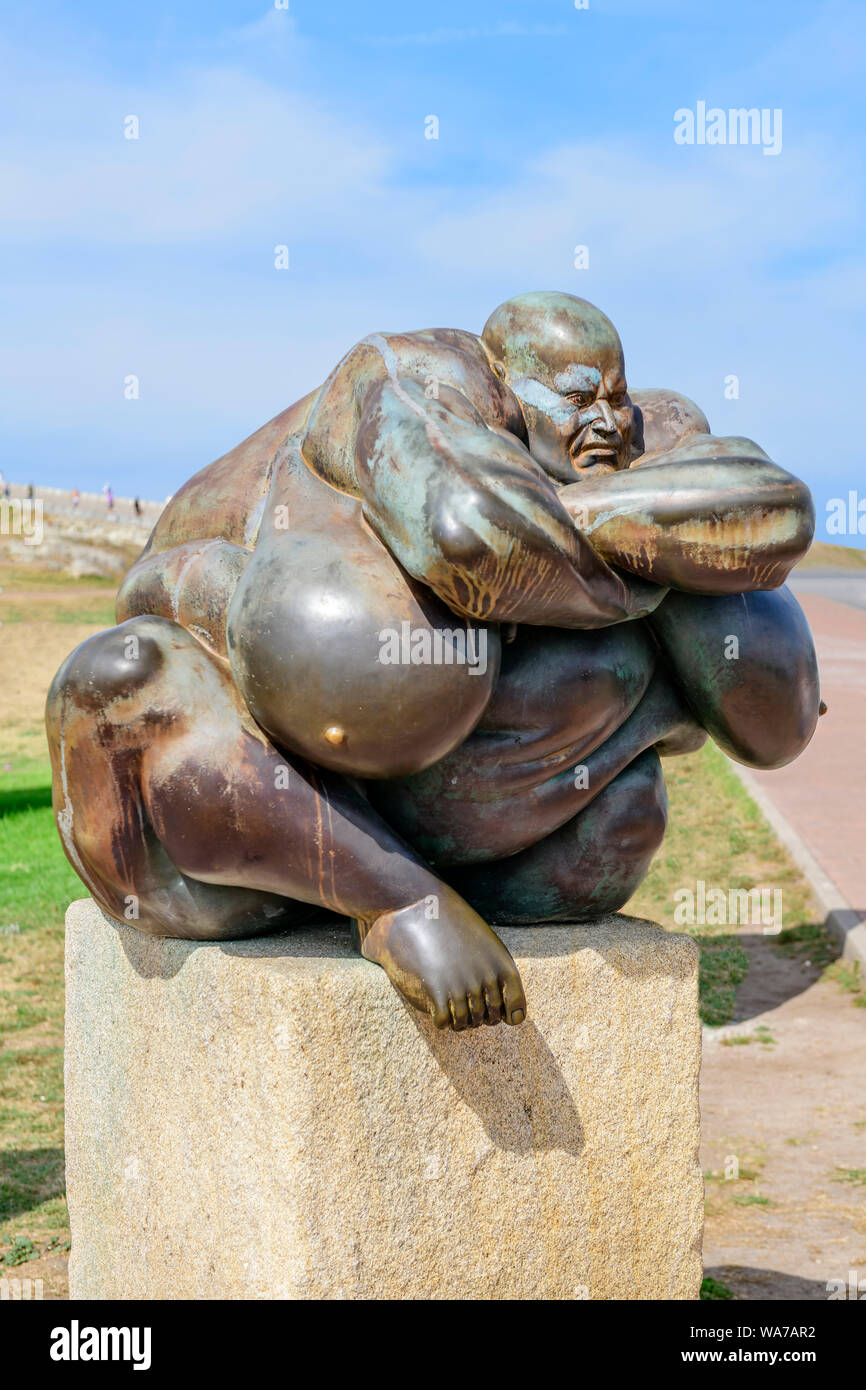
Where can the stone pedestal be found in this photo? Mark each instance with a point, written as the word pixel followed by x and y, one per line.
pixel 267 1119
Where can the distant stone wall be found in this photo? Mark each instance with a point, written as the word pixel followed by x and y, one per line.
pixel 91 504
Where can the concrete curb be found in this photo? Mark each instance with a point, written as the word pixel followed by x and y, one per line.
pixel 842 921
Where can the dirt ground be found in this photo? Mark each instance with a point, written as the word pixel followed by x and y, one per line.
pixel 30 653
pixel 790 1106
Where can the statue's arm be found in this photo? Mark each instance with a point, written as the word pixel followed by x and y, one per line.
pixel 712 516
pixel 465 509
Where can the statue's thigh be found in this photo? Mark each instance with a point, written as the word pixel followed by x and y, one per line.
pixel 121 701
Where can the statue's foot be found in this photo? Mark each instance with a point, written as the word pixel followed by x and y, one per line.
pixel 450 966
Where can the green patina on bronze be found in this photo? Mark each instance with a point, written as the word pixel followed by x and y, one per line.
pixel 413 653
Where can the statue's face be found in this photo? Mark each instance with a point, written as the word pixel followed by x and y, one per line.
pixel 562 358
pixel 578 416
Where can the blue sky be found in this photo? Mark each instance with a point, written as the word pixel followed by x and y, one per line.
pixel 261 127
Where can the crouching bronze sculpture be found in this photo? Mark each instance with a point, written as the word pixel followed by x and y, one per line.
pixel 412 652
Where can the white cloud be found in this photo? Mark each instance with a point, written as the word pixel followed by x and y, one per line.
pixel 642 211
pixel 220 152
pixel 504 30
pixel 819 58
pixel 275 30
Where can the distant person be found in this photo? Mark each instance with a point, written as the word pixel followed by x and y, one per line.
pixel 30 492
pixel 76 497
pixel 138 507
pixel 109 497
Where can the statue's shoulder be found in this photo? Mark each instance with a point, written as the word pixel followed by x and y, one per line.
pixel 225 500
pixel 458 339
pixel 455 358
pixel 435 358
pixel 666 419
pixel 672 428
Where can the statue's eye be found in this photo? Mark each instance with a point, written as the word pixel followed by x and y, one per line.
pixel 581 398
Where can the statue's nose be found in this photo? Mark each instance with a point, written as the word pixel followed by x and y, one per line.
pixel 604 420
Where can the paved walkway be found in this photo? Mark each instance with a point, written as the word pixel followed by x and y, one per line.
pixel 822 793
pixel 791 1107
pixel 846 586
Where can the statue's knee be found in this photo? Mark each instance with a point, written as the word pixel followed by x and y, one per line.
pixel 111 665
pixel 635 811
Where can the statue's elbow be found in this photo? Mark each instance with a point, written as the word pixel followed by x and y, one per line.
pixel 802 512
pixel 789 525
pixel 772 751
pixel 770 733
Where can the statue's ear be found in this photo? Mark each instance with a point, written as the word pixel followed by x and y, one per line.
pixel 638 446
pixel 499 369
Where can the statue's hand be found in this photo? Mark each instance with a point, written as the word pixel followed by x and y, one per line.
pixel 714 516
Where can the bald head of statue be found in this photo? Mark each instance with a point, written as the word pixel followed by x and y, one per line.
pixel 563 360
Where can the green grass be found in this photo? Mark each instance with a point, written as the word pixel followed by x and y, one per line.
pixel 810 940
pixel 723 966
pixel 93 609
pixel 824 554
pixel 761 1034
pixel 35 889
pixel 717 833
pixel 34 577
pixel 38 882
pixel 857 1176
pixel 714 1289
pixel 848 976
pixel 744 1175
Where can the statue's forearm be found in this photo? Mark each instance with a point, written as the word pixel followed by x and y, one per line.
pixel 467 511
pixel 715 525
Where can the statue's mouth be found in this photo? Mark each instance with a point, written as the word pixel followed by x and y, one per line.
pixel 599 469
pixel 603 453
